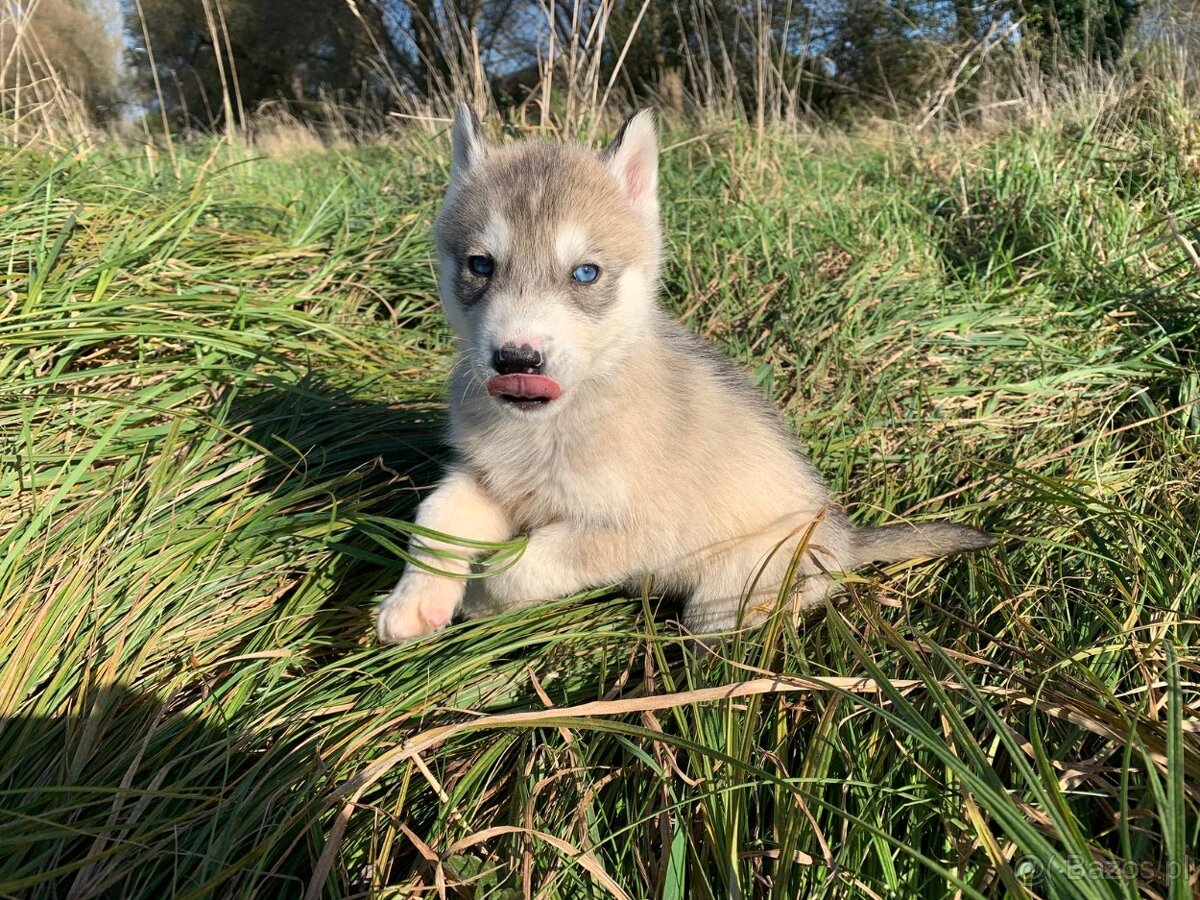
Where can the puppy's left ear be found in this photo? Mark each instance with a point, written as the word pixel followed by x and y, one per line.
pixel 469 147
pixel 633 160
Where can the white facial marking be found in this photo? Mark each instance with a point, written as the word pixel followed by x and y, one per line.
pixel 570 243
pixel 634 293
pixel 535 197
pixel 496 237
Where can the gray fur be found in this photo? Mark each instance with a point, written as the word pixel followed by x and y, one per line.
pixel 894 543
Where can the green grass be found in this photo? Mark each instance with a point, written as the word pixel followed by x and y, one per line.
pixel 220 399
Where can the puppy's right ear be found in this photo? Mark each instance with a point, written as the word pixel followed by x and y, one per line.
pixel 633 160
pixel 468 144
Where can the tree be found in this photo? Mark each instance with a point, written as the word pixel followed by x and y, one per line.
pixel 63 42
pixel 887 53
pixel 256 51
pixel 1091 29
pixel 441 43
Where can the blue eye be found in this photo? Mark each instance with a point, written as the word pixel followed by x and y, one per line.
pixel 586 274
pixel 483 266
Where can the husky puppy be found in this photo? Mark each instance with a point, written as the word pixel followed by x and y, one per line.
pixel 586 417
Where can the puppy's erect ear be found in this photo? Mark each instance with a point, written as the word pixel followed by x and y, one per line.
pixel 467 142
pixel 633 159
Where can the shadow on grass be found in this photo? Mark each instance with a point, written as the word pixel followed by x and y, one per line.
pixel 343 471
pixel 123 795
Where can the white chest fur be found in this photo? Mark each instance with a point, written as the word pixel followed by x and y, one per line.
pixel 548 470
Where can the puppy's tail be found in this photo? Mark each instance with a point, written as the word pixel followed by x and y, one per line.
pixel 894 543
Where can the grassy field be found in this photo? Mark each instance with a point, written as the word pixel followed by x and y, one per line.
pixel 220 400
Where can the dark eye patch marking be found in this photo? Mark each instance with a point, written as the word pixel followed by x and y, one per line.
pixel 471 286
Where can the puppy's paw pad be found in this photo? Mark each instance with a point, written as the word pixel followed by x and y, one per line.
pixel 409 614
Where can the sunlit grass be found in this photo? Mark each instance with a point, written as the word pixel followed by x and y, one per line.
pixel 220 399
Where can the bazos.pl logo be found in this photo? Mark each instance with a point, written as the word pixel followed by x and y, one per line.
pixel 1030 870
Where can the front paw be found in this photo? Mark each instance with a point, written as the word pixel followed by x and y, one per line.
pixel 420 604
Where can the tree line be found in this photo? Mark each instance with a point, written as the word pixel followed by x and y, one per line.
pixel 202 62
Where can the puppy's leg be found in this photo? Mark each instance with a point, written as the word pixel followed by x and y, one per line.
pixel 560 561
pixel 424 601
pixel 742 586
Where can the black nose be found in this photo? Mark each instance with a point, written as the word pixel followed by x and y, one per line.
pixel 510 358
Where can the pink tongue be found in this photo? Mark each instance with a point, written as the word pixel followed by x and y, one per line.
pixel 524 387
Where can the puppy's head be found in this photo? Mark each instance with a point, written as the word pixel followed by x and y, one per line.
pixel 548 258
